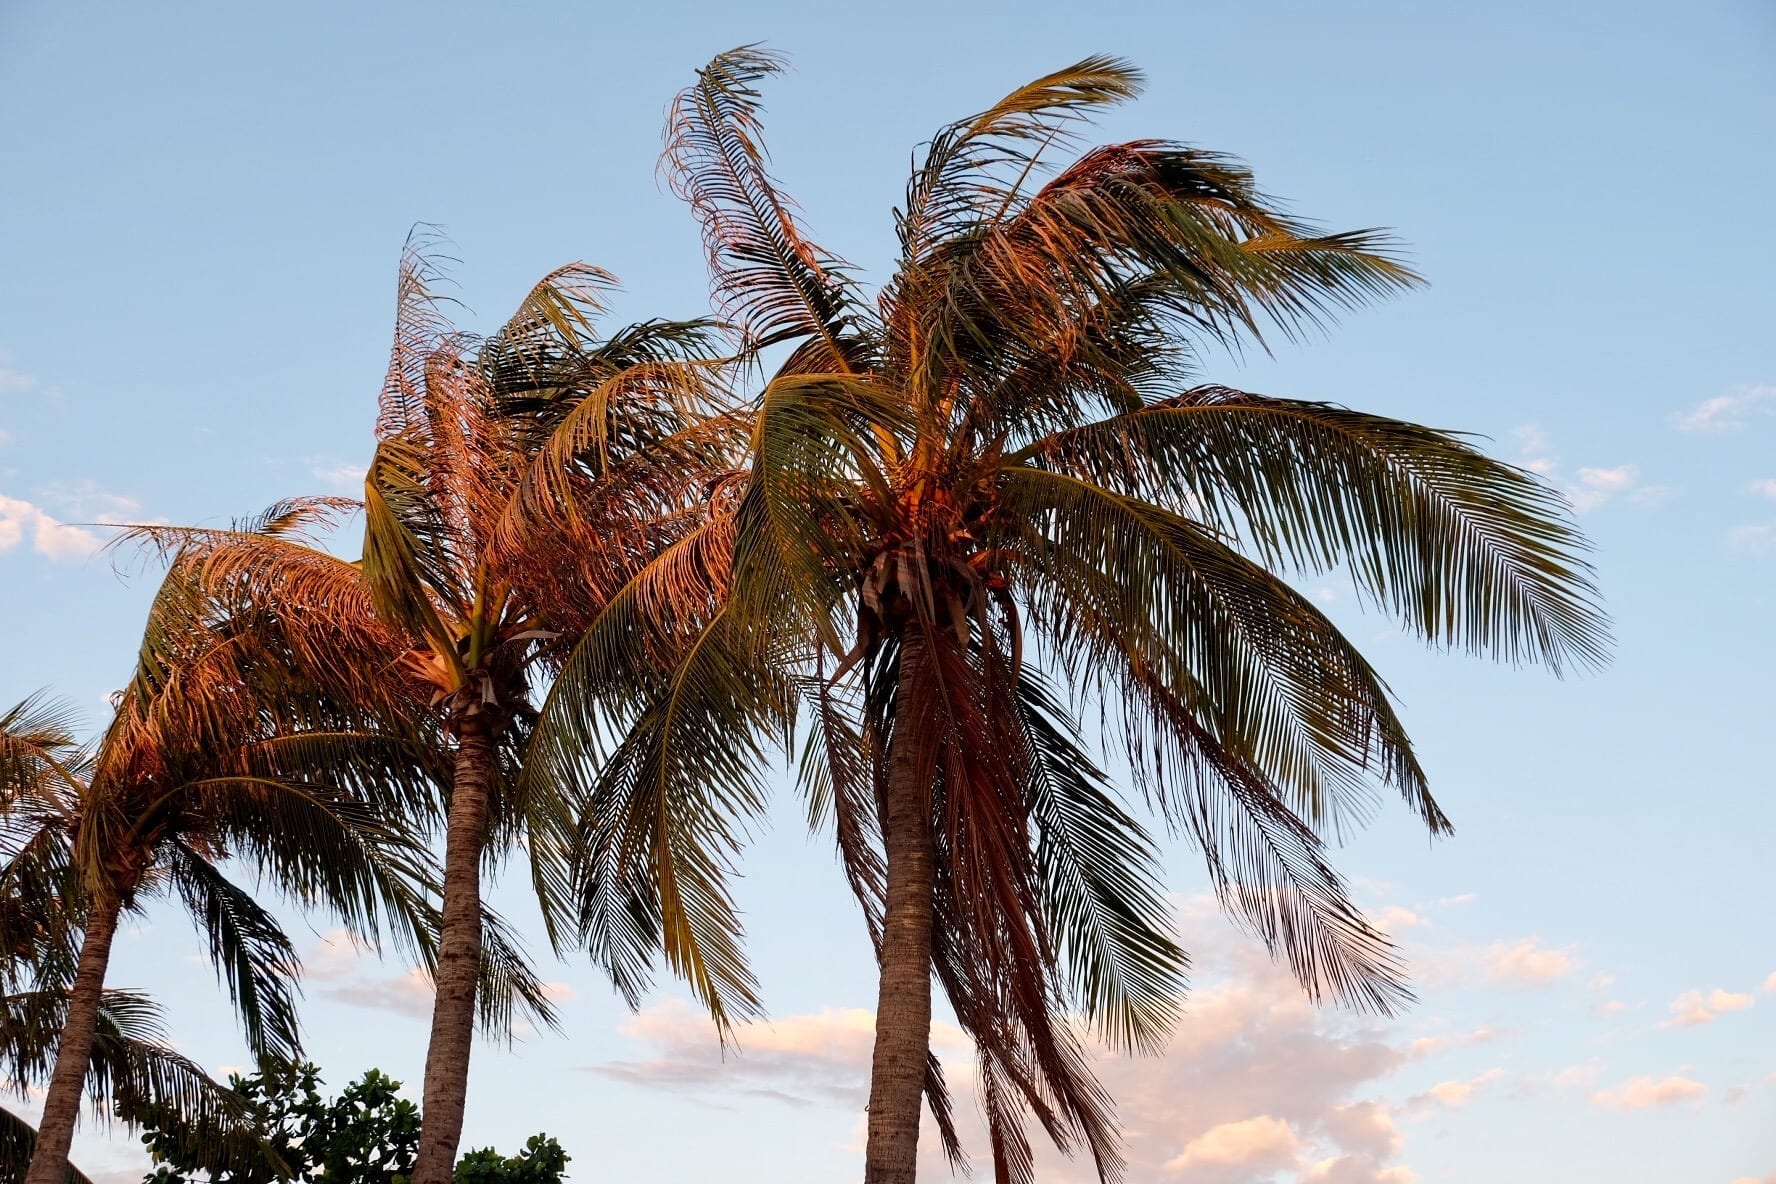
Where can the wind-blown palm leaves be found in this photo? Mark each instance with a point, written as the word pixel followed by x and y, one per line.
pixel 997 498
pixel 517 483
pixel 133 1075
pixel 196 768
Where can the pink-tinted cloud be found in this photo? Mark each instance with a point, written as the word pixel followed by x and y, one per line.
pixel 1457 1093
pixel 1528 962
pixel 1641 1093
pixel 1250 1147
pixel 1694 1007
pixel 353 977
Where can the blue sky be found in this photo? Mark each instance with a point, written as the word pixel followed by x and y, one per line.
pixel 200 212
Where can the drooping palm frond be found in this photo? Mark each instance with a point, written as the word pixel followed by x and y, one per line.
pixel 250 950
pixel 135 1077
pixel 18 1139
pixel 768 277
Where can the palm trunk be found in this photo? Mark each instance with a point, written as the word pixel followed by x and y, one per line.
pixel 903 1001
pixel 61 1106
pixel 459 956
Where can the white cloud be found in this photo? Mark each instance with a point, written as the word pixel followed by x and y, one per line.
pixel 1430 1045
pixel 1759 539
pixel 13 382
pixel 1593 487
pixel 1394 918
pixel 49 535
pixel 86 501
pixel 1254 1145
pixel 1357 1169
pixel 1249 1047
pixel 1641 1093
pixel 1763 487
pixel 1583 1075
pixel 1693 1007
pixel 1610 1007
pixel 346 476
pixel 1726 413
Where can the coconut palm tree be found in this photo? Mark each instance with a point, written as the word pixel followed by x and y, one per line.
pixel 998 499
pixel 195 769
pixel 516 482
pixel 132 1070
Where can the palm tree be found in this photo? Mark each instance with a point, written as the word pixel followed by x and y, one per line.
pixel 40 923
pixel 997 499
pixel 515 484
pixel 194 769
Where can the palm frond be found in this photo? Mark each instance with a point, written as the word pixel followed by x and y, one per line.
pixel 252 954
pixel 769 279
pixel 1467 551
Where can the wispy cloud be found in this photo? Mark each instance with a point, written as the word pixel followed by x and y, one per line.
pixel 1642 1093
pixel 1592 487
pixel 1693 1008
pixel 1757 538
pixel 349 976
pixel 1255 1080
pixel 1763 487
pixel 1729 412
pixel 1457 1093
pixel 12 381
pixel 344 476
pixel 1527 963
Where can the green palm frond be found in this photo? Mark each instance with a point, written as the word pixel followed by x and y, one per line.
pixel 251 952
pixel 1101 884
pixel 18 1139
pixel 1467 551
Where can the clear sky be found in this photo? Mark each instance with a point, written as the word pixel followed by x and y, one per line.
pixel 200 212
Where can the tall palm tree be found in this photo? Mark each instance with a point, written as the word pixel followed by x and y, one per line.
pixel 195 769
pixel 998 499
pixel 516 483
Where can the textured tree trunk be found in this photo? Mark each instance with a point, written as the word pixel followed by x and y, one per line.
pixel 903 1001
pixel 459 956
pixel 61 1106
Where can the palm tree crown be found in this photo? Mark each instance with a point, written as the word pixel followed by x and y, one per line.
pixel 516 484
pixel 195 770
pixel 998 499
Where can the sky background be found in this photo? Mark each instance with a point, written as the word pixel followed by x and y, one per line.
pixel 201 207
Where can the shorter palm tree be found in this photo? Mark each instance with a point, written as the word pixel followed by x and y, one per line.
pixel 195 769
pixel 516 483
